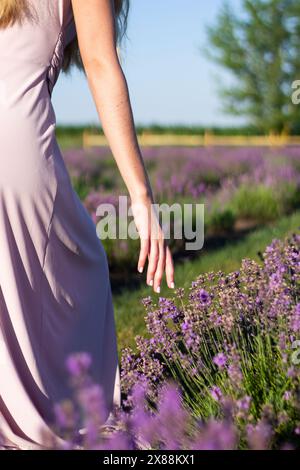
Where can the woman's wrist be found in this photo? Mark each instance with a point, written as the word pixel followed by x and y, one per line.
pixel 142 196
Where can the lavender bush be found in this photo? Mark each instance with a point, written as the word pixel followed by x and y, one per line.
pixel 82 423
pixel 228 342
pixel 190 173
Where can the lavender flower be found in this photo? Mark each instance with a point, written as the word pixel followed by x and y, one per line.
pixel 259 436
pixel 216 393
pixel 295 320
pixel 204 297
pixel 216 435
pixel 78 364
pixel 220 360
pixel 287 395
pixel 244 403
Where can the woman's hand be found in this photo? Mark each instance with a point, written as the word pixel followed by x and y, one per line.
pixel 153 245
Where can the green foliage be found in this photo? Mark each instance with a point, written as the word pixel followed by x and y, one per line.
pixel 264 204
pixel 257 203
pixel 71 136
pixel 290 197
pixel 260 48
pixel 221 221
pixel 197 130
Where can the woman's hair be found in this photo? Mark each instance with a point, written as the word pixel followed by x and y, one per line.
pixel 12 11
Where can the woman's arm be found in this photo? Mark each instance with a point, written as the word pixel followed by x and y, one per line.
pixel 95 24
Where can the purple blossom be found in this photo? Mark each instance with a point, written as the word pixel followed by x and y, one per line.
pixel 259 436
pixel 235 374
pixel 295 320
pixel 287 395
pixel 185 326
pixel 171 411
pixel 216 393
pixel 275 280
pixel 204 297
pixel 244 403
pixel 216 435
pixel 116 441
pixel 216 319
pixel 78 364
pixel 92 400
pixel 65 415
pixel 220 360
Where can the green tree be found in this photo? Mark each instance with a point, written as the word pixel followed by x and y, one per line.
pixel 260 47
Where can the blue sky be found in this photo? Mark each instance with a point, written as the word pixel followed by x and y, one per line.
pixel 169 78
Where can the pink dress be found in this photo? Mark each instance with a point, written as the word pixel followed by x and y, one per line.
pixel 55 293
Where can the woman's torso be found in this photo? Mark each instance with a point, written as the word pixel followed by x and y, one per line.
pixel 31 56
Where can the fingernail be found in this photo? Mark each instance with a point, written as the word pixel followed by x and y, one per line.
pixel 140 269
pixel 151 283
pixel 172 285
pixel 158 290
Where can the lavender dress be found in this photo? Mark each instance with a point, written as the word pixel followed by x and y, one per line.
pixel 55 294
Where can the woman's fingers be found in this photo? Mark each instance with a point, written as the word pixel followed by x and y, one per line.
pixel 144 251
pixel 153 260
pixel 169 269
pixel 160 268
pixel 160 260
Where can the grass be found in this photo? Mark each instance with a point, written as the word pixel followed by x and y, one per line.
pixel 129 311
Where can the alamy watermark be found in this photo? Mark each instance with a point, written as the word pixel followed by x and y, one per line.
pixel 296 93
pixel 295 357
pixel 177 221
